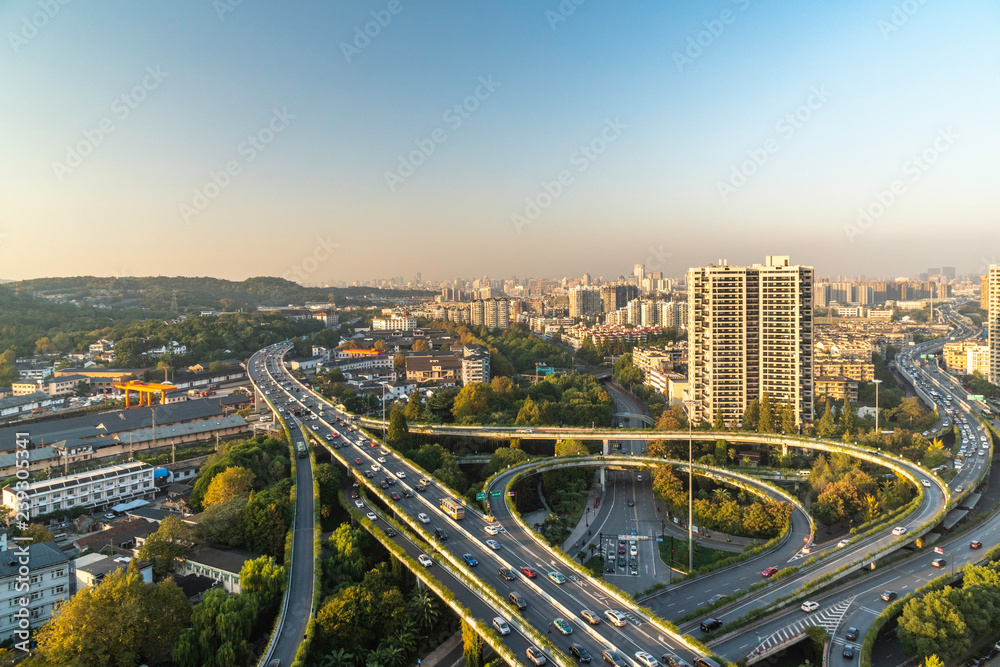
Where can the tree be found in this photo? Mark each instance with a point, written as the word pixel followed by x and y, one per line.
pixel 933 661
pixel 571 448
pixel 751 416
pixel 848 419
pixel 399 362
pixel 121 622
pixel 398 435
pixel 826 427
pixel 672 419
pixel 420 345
pixel 413 406
pixel 37 532
pixel 82 388
pixel 473 401
pixel 721 453
pixel 933 625
pixel 718 424
pixel 529 414
pixel 166 546
pixel 230 483
pixel 935 454
pixel 379 345
pixel 788 419
pixel 502 458
pixel 766 422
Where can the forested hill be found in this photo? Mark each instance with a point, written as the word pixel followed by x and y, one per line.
pixel 193 294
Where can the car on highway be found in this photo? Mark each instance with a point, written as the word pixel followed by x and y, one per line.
pixel 614 658
pixel 424 560
pixel 516 600
pixel 501 626
pixel 423 518
pixel 420 487
pixel 376 467
pixel 535 655
pixel 579 653
pixel 440 534
pixel 848 651
pixel 631 503
pixel 394 495
pixel 899 530
pixel 563 626
pixel 710 624
pixel 888 596
pixel 401 474
pixel 715 598
pixel 939 562
pixel 672 660
pixel 809 606
pixel 843 543
pixel 557 577
pixel 768 571
pixel 852 633
pixel 926 482
pixel 959 488
pixel 507 573
pixel 615 617
pixel 358 504
pixel 357 462
pixel 470 560
pixel 529 572
pixel 646 659
pixel 975 544
pixel 383 485
pixel 493 544
pixel 390 532
pixel 407 494
pixel 381 459
pixel 590 617
pixel 492 530
pixel 371 516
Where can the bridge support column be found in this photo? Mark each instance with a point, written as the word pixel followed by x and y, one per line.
pixel 784 450
pixel 607 451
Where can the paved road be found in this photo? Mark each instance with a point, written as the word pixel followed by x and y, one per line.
pixel 300 586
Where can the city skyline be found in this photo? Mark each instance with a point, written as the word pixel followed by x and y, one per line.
pixel 239 140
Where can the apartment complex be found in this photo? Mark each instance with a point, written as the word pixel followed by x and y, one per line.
pixel 750 331
pixel 395 322
pixel 993 326
pixel 31 597
pixel 956 355
pixel 491 313
pixel 584 300
pixel 95 488
pixel 617 296
pixel 475 364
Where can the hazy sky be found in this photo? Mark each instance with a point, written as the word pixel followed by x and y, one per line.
pixel 511 138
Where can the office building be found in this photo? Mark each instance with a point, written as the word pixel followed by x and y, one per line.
pixel 750 331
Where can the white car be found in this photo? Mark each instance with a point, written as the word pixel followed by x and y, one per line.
pixel 926 482
pixel 646 659
pixel 423 518
pixel 371 516
pixel 899 530
pixel 358 504
pixel 633 550
pixel 492 530
pixel 381 459
pixel 501 626
pixel 843 543
pixel 615 617
pixel 424 560
pixel 401 474
pixel 809 606
pixel 376 467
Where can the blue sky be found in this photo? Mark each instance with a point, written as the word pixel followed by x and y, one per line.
pixel 675 102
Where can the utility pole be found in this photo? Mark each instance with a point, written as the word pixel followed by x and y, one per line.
pixel 877 383
pixel 690 405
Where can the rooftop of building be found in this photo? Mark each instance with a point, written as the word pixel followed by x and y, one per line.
pixel 42 554
pixel 221 558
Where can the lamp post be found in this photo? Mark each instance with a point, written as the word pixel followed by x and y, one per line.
pixel 877 383
pixel 383 411
pixel 690 406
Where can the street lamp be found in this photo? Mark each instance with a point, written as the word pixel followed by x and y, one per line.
pixel 690 405
pixel 877 383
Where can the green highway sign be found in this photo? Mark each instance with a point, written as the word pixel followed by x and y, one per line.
pixel 496 494
pixel 480 496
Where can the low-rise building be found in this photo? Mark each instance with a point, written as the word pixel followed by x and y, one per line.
pixel 221 564
pixel 31 597
pixel 440 367
pixel 836 387
pixel 91 569
pixel 96 488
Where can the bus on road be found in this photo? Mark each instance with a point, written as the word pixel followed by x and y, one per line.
pixel 452 508
pixel 300 448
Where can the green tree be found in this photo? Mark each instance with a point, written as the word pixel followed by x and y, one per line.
pixel 473 401
pixel 121 622
pixel 788 419
pixel 414 406
pixel 398 435
pixel 529 414
pixel 766 422
pixel 751 416
pixel 934 625
pixel 721 453
pixel 167 546
pixel 503 457
pixel 718 424
pixel 848 419
pixel 571 448
pixel 826 427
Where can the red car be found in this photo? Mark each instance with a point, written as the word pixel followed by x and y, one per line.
pixel 975 544
pixel 529 572
pixel 357 462
pixel 769 571
pixel 394 495
pixel 374 444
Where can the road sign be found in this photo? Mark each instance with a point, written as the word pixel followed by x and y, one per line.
pixel 481 496
pixel 496 494
pixel 659 539
pixel 510 493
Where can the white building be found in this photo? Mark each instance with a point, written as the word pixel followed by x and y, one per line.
pixel 993 323
pixel 395 322
pixel 96 488
pixel 223 565
pixel 475 364
pixel 31 597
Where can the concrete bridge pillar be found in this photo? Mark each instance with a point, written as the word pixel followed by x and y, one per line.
pixel 784 450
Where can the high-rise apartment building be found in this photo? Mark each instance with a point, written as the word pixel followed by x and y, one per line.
pixel 993 327
pixel 616 296
pixel 491 313
pixel 984 292
pixel 584 301
pixel 750 331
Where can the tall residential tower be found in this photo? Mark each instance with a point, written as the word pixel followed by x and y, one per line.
pixel 750 331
